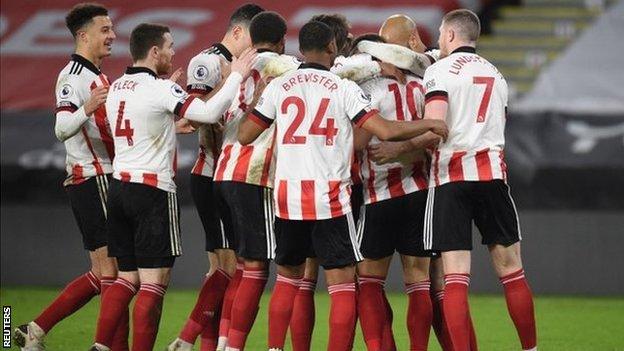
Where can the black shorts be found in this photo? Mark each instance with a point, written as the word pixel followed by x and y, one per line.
pixel 333 241
pixel 143 222
pixel 357 200
pixel 452 207
pixel 393 224
pixel 250 208
pixel 217 225
pixel 88 202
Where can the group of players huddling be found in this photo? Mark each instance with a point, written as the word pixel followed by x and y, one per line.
pixel 368 146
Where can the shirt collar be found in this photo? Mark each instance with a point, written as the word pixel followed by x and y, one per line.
pixel 135 70
pixel 469 49
pixel 313 65
pixel 86 63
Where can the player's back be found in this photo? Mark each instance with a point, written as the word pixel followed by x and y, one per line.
pixel 141 106
pixel 396 102
pixel 314 110
pixel 477 101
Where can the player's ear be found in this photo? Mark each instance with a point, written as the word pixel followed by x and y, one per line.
pixel 237 32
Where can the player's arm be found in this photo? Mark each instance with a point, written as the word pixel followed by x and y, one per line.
pixel 397 55
pixel 210 111
pixel 361 67
pixel 259 115
pixel 69 116
pixel 399 130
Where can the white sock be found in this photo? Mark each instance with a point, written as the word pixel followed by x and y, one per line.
pixel 221 343
pixel 184 345
pixel 101 347
pixel 231 349
pixel 533 349
pixel 36 329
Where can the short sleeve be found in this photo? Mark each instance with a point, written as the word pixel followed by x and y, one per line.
pixel 265 111
pixel 435 85
pixel 175 100
pixel 371 89
pixel 70 93
pixel 203 74
pixel 357 103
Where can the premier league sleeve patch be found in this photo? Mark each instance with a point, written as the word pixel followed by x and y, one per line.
pixel 200 72
pixel 177 91
pixel 65 92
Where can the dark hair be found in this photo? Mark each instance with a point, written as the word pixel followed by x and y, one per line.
pixel 81 14
pixel 244 14
pixel 144 37
pixel 267 27
pixel 340 26
pixel 368 36
pixel 314 36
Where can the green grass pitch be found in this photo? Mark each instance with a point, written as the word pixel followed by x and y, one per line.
pixel 564 323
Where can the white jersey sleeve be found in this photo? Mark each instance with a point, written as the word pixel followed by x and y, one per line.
pixel 70 98
pixel 357 68
pixel 266 109
pixel 203 74
pixel 435 84
pixel 357 103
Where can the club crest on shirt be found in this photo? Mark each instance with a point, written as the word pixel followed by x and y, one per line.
pixel 66 91
pixel 177 91
pixel 200 73
pixel 430 84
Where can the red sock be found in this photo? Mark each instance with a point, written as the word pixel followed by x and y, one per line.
pixel 228 299
pixel 473 336
pixel 419 314
pixel 520 306
pixel 456 310
pixel 146 316
pixel 387 340
pixel 371 309
pixel 113 309
pixel 302 319
pixel 342 316
pixel 209 300
pixel 210 334
pixel 245 306
pixel 439 327
pixel 280 309
pixel 75 295
pixel 120 340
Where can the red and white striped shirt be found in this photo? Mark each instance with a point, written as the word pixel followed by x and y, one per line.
pixel 253 163
pixel 143 110
pixel 313 110
pixel 90 151
pixel 477 102
pixel 396 102
pixel 203 75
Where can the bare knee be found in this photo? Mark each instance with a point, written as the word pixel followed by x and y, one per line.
pixel 377 268
pixel 506 260
pixel 292 272
pixel 340 275
pixel 415 269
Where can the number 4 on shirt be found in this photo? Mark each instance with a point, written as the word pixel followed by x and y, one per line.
pixel 485 101
pixel 127 131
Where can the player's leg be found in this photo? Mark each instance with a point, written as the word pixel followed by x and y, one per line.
pixel 372 309
pixel 253 228
pixel 88 202
pixel 448 228
pixel 222 262
pixel 149 301
pixel 415 261
pixel 293 239
pixel 335 242
pixel 114 306
pixel 303 314
pixel 498 223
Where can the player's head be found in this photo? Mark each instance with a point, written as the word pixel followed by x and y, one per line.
pixel 267 29
pixel 92 28
pixel 459 28
pixel 369 37
pixel 402 30
pixel 340 26
pixel 152 44
pixel 237 38
pixel 316 39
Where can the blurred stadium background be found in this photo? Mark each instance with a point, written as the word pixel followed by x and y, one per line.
pixel 565 133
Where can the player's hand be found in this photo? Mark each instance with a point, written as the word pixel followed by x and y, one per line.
pixel 259 89
pixel 225 69
pixel 438 127
pixel 98 97
pixel 385 152
pixel 175 76
pixel 244 63
pixel 184 126
pixel 390 70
